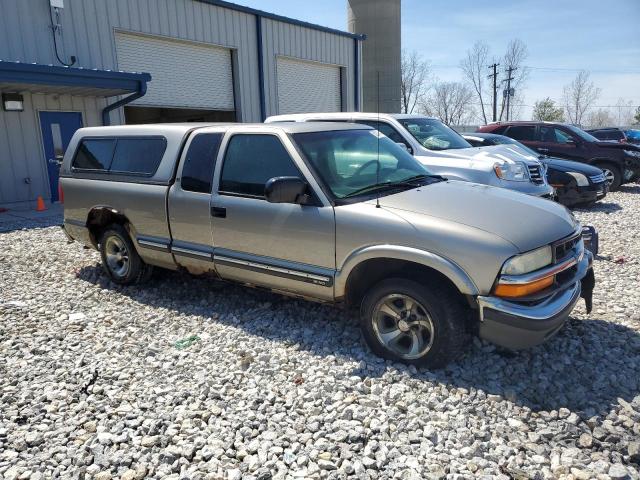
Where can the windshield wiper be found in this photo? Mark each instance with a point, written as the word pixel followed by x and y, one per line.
pixel 407 182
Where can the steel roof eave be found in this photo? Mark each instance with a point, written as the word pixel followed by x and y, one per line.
pixel 281 18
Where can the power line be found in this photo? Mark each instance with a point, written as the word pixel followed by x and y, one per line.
pixel 559 69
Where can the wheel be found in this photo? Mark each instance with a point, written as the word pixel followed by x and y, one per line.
pixel 612 174
pixel 120 259
pixel 405 321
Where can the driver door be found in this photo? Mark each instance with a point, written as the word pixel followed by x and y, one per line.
pixel 287 247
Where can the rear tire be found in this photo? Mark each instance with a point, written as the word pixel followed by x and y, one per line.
pixel 120 259
pixel 404 321
pixel 613 175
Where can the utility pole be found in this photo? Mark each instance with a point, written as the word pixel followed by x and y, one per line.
pixel 510 70
pixel 495 90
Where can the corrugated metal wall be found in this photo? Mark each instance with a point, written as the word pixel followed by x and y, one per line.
pixel 21 151
pixel 89 27
pixel 282 39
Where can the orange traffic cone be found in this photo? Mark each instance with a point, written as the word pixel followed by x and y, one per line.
pixel 40 207
pixel 60 194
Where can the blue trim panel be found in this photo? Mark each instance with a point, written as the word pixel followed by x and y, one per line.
pixel 263 114
pixel 17 72
pixel 280 18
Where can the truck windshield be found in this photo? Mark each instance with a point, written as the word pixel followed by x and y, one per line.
pixel 433 134
pixel 354 162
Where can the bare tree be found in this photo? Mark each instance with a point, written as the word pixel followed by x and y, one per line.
pixel 451 102
pixel 513 60
pixel 474 67
pixel 624 112
pixel 415 80
pixel 546 110
pixel 601 118
pixel 579 96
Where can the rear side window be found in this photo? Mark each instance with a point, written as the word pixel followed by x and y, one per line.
pixel 140 156
pixel 251 160
pixel 526 133
pixel 94 154
pixel 200 162
pixel 384 128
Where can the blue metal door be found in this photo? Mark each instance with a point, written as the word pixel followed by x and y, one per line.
pixel 57 129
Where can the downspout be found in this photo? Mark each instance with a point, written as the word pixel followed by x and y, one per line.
pixel 142 89
pixel 356 74
pixel 263 115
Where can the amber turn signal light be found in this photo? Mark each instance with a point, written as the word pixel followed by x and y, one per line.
pixel 513 290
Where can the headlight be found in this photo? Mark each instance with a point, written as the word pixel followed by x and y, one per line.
pixel 581 180
pixel 528 262
pixel 515 172
pixel 632 153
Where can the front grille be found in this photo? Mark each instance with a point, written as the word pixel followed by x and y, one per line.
pixel 597 178
pixel 564 247
pixel 535 174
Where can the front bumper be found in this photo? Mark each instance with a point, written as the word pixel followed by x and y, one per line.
pixel 518 325
pixel 573 195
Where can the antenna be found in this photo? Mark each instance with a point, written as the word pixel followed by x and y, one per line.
pixel 378 137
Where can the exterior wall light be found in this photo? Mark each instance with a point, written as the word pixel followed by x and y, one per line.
pixel 12 102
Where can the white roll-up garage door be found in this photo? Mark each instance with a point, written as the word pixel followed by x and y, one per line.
pixel 182 74
pixel 307 87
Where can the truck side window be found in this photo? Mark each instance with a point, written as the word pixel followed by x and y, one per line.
pixel 386 129
pixel 94 154
pixel 200 162
pixel 522 132
pixel 251 160
pixel 138 155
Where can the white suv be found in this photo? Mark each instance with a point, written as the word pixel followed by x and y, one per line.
pixel 445 152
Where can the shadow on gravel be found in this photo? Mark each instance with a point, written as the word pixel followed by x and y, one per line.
pixel 604 207
pixel 587 367
pixel 630 188
pixel 12 223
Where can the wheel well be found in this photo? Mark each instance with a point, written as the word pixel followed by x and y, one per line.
pixel 608 161
pixel 100 218
pixel 370 272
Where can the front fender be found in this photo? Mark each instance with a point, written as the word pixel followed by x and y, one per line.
pixel 448 268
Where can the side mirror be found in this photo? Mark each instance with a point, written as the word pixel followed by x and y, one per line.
pixel 286 190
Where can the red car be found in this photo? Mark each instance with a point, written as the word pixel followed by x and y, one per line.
pixel 619 161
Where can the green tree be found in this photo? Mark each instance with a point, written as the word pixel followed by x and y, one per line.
pixel 546 110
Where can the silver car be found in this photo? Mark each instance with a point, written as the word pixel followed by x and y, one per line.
pixel 445 152
pixel 335 213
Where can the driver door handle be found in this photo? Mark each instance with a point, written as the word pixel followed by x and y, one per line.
pixel 219 212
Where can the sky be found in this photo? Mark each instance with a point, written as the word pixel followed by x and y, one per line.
pixel 562 37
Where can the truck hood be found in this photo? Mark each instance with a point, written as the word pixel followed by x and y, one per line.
pixel 486 155
pixel 525 221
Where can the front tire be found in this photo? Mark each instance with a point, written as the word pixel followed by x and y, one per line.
pixel 120 259
pixel 612 174
pixel 404 321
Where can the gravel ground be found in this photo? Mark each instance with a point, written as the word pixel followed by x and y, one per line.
pixel 189 378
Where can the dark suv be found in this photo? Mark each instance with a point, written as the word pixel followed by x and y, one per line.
pixel 609 134
pixel 619 161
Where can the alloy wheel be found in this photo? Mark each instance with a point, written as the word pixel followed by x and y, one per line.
pixel 117 256
pixel 403 326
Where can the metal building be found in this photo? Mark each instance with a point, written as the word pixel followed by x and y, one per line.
pixel 65 64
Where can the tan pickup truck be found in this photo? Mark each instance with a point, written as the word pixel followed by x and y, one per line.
pixel 332 212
